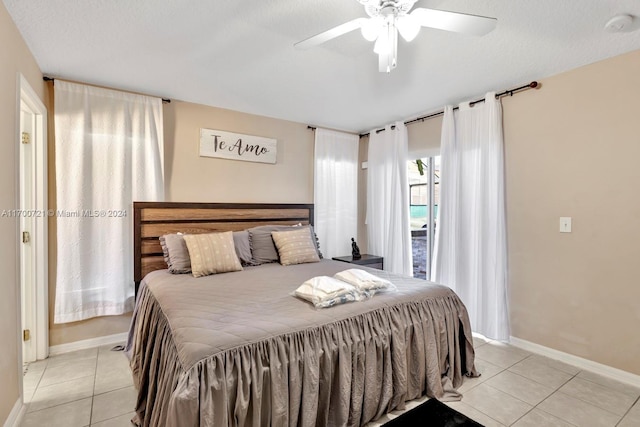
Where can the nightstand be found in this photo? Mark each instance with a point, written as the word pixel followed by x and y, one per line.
pixel 372 261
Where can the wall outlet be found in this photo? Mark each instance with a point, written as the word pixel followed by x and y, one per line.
pixel 565 224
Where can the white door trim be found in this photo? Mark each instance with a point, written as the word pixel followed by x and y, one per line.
pixel 25 214
pixel 39 238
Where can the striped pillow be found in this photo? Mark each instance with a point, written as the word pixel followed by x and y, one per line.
pixel 212 253
pixel 295 247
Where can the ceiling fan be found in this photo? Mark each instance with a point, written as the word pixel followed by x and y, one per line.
pixel 387 18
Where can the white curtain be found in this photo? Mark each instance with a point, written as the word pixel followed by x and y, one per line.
pixel 336 191
pixel 109 152
pixel 388 199
pixel 471 246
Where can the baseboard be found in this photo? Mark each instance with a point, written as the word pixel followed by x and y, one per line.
pixel 15 416
pixel 90 343
pixel 579 362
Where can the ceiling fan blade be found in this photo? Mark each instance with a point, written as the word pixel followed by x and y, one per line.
pixel 334 32
pixel 454 21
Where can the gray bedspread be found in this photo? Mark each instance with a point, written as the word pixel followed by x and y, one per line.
pixel 236 349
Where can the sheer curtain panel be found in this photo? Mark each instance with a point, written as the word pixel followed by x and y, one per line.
pixel 109 152
pixel 471 245
pixel 336 191
pixel 388 198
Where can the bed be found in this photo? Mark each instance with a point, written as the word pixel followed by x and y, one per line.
pixel 236 349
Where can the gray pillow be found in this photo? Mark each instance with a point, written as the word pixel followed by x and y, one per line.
pixel 176 253
pixel 264 250
pixel 316 242
pixel 243 247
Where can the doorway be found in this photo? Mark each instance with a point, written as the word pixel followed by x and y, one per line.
pixel 424 198
pixel 32 220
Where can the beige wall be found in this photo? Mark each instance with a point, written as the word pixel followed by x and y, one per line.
pixel 191 178
pixel 573 149
pixel 424 137
pixel 16 58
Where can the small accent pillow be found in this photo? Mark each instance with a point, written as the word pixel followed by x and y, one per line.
pixel 263 250
pixel 176 254
pixel 316 241
pixel 212 253
pixel 295 247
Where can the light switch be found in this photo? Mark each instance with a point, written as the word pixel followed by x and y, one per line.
pixel 565 224
pixel 365 165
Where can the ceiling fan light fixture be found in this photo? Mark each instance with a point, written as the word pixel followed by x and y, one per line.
pixel 383 44
pixel 371 28
pixel 387 18
pixel 408 26
pixel 387 48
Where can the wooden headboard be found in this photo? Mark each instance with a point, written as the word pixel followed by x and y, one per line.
pixel 154 219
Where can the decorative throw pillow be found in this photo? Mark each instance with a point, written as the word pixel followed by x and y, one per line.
pixel 263 249
pixel 295 247
pixel 176 254
pixel 212 253
pixel 316 241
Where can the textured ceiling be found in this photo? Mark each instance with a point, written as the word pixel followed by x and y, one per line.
pixel 239 54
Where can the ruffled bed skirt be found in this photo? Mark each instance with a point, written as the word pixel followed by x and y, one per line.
pixel 345 373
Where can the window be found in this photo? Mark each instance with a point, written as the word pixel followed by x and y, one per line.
pixel 424 187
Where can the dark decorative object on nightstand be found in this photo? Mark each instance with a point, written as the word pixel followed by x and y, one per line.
pixel 355 250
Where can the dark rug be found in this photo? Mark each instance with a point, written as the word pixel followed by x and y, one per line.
pixel 432 413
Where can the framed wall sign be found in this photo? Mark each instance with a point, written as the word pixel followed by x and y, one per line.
pixel 236 146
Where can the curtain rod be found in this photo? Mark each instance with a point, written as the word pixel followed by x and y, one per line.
pixel 51 79
pixel 510 92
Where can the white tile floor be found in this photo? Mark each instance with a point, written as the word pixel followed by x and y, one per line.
pixel 87 387
pixel 94 388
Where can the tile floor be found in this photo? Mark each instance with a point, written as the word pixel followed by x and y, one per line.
pixel 94 388
pixel 82 388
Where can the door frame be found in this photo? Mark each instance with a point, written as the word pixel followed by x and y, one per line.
pixel 26 214
pixel 39 235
